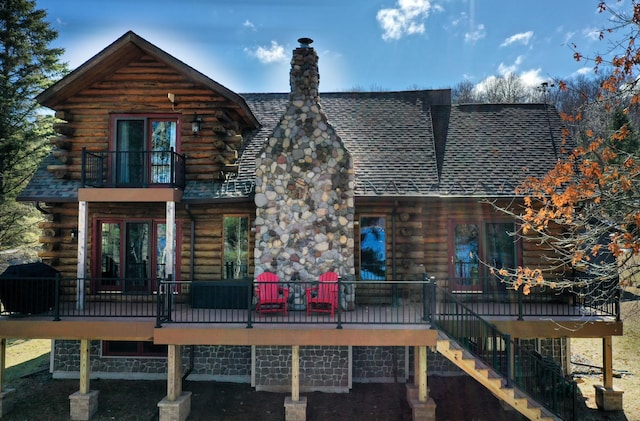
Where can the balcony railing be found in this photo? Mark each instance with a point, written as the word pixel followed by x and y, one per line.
pixel 133 169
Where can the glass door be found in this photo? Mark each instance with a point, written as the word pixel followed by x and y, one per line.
pixel 163 142
pixel 137 262
pixel 130 147
pixel 465 267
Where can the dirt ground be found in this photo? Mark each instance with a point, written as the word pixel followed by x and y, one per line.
pixel 38 397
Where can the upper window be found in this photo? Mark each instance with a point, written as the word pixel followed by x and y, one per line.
pixel 145 150
pixel 474 243
pixel 236 246
pixel 373 255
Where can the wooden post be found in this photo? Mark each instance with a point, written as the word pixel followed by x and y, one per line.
pixel 3 361
pixel 174 372
pixel 607 362
pixel 295 373
pixel 171 236
pixel 85 367
pixel 83 217
pixel 416 366
pixel 422 387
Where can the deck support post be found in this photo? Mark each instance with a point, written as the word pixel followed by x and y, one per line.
pixel 170 210
pixel 6 395
pixel 422 406
pixel 83 218
pixel 84 403
pixel 176 406
pixel 607 397
pixel 295 408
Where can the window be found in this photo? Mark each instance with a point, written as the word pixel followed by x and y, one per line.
pixel 144 147
pixel 132 254
pixel 236 246
pixel 373 255
pixel 133 349
pixel 471 244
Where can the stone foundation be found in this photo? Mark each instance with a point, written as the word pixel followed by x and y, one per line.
pixel 295 410
pixel 608 399
pixel 177 410
pixel 6 401
pixel 324 369
pixel 82 406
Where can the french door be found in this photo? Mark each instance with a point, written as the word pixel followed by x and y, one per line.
pixel 132 255
pixel 144 149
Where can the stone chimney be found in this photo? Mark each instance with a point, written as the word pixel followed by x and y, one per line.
pixel 304 186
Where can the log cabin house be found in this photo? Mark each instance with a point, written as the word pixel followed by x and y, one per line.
pixel 166 194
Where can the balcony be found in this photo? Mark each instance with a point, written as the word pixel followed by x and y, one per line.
pixel 133 169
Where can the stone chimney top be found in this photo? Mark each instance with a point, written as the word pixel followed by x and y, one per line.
pixel 304 77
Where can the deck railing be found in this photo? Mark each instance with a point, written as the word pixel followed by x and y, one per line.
pixel 359 302
pixel 489 297
pixel 233 301
pixel 133 169
pixel 542 379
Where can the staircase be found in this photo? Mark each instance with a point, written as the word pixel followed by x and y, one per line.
pixel 488 377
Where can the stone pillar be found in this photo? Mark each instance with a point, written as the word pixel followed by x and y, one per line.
pixel 295 410
pixel 83 405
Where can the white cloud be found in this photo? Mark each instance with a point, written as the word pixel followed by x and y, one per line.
pixel 248 24
pixel 475 35
pixel 406 19
pixel 532 78
pixel 268 55
pixel 504 69
pixel 584 71
pixel 523 38
pixel 591 33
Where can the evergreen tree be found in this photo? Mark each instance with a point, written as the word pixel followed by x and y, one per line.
pixel 27 66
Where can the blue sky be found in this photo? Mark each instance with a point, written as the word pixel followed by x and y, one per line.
pixel 363 44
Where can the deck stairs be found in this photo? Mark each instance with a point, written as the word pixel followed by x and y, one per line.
pixel 491 380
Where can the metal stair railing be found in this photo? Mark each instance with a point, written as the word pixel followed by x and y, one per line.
pixel 540 378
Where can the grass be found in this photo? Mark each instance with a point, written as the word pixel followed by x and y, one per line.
pixel 26 356
pixel 626 359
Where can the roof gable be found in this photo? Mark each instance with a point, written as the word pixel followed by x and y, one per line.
pixel 124 50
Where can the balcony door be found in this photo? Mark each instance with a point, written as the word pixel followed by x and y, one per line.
pixel 143 150
pixel 132 255
pixel 473 246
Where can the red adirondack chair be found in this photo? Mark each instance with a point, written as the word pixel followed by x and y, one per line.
pixel 323 297
pixel 272 297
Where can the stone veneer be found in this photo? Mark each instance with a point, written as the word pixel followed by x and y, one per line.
pixel 304 186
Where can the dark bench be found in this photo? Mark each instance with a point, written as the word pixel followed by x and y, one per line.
pixel 226 293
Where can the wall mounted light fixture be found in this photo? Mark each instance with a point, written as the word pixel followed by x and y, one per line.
pixel 196 124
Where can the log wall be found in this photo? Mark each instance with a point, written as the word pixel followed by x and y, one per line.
pixel 141 87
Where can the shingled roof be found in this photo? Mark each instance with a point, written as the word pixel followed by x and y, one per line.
pixel 411 144
pixel 491 148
